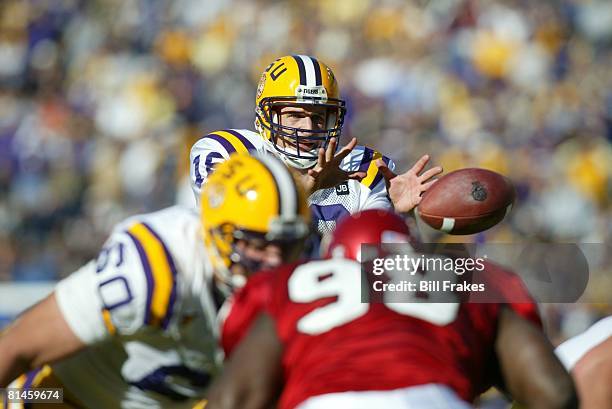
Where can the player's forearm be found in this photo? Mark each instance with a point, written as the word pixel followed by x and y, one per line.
pixel 39 336
pixel 551 394
pixel 232 401
pixel 12 362
pixel 532 373
pixel 593 377
pixel 238 392
pixel 251 380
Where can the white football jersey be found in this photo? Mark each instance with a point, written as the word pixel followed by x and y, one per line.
pixel 145 309
pixel 327 205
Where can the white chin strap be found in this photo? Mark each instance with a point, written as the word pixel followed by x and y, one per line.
pixel 298 163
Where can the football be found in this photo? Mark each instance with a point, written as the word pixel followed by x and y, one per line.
pixel 467 201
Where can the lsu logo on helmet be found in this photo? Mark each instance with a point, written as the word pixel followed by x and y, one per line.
pixel 251 198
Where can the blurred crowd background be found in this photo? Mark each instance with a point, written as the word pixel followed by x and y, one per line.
pixel 100 102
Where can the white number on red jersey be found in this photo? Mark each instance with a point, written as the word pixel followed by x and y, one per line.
pixel 342 279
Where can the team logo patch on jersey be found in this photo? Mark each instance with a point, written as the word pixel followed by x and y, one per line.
pixel 342 189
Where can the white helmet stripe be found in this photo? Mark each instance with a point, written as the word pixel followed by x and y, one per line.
pixel 311 78
pixel 285 183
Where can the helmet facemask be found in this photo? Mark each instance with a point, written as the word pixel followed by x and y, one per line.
pixel 288 141
pixel 234 250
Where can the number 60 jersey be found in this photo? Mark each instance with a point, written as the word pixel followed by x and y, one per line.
pixel 146 312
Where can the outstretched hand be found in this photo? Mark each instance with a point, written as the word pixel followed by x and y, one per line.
pixel 327 172
pixel 405 190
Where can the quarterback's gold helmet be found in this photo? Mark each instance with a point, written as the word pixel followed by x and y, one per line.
pixel 298 80
pixel 251 199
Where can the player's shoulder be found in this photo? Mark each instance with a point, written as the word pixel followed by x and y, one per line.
pixel 287 270
pixel 258 287
pixel 257 290
pixel 363 159
pixel 171 227
pixel 505 286
pixel 228 141
pixel 217 146
pixel 149 264
pixel 171 216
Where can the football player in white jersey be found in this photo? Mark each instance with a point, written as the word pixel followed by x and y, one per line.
pixel 136 328
pixel 299 118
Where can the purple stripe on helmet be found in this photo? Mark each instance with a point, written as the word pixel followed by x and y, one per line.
pixel 301 69
pixel 317 69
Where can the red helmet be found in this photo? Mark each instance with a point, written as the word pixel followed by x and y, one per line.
pixel 373 226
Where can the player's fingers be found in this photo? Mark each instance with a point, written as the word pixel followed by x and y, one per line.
pixel 346 150
pixel 427 185
pixel 321 157
pixel 357 175
pixel 428 174
pixel 352 143
pixel 420 164
pixel 384 169
pixel 331 149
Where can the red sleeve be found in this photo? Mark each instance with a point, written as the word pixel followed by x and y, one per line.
pixel 508 288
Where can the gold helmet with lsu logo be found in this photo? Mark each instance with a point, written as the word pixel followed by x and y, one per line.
pixel 249 205
pixel 303 81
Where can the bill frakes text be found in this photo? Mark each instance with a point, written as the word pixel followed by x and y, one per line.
pixel 426 286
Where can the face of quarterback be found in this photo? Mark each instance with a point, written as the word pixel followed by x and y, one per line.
pixel 312 118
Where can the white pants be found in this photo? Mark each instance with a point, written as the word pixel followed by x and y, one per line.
pixel 431 396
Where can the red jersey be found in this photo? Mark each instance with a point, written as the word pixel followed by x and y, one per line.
pixel 335 343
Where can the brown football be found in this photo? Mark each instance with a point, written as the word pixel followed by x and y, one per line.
pixel 467 201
